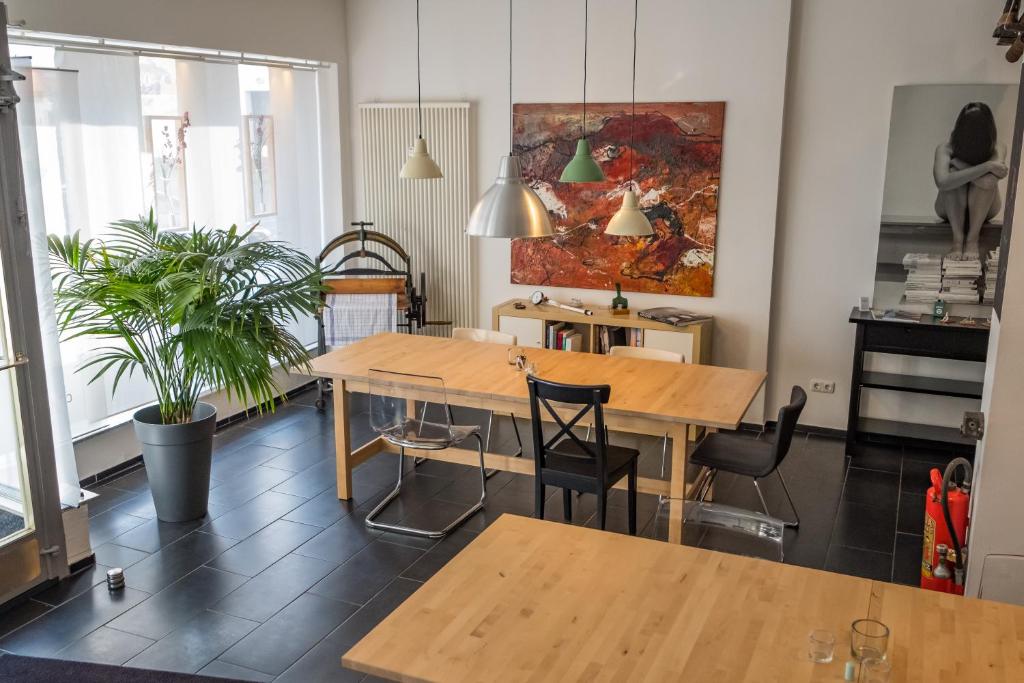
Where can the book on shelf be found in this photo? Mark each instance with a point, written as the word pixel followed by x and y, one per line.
pixel 563 337
pixel 672 316
pixel 612 335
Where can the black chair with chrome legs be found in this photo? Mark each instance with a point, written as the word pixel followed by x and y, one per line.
pixel 390 419
pixel 730 452
pixel 572 463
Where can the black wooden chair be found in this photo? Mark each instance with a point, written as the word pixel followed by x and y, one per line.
pixel 568 462
pixel 730 452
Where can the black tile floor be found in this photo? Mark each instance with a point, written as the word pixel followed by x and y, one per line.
pixel 281 578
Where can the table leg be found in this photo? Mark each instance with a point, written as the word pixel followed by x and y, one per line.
pixel 342 440
pixel 677 483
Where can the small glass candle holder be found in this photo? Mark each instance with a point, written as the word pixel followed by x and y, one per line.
pixel 869 639
pixel 821 646
pixel 875 670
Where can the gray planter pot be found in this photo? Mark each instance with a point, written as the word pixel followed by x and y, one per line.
pixel 177 461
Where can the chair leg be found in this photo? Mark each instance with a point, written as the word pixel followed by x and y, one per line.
pixel 519 439
pixel 664 457
pixel 631 498
pixel 796 515
pixel 538 497
pixel 371 519
pixel 706 486
pixel 602 508
pixel 567 504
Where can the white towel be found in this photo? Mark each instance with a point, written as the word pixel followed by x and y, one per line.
pixel 351 317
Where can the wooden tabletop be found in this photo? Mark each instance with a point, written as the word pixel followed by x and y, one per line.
pixel 674 392
pixel 530 600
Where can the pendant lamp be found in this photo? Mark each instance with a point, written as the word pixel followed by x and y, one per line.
pixel 419 165
pixel 630 221
pixel 582 168
pixel 510 208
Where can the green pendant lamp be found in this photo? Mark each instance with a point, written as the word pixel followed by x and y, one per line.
pixel 582 168
pixel 630 221
pixel 419 165
pixel 510 209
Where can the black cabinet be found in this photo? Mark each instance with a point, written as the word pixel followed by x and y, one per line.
pixel 927 338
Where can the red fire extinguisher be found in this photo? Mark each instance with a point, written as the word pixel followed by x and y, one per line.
pixel 946 510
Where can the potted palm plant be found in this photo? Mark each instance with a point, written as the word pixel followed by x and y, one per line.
pixel 192 312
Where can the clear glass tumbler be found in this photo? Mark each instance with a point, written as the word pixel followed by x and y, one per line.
pixel 821 646
pixel 869 639
pixel 875 670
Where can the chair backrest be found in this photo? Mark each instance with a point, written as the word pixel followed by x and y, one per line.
pixel 645 353
pixel 477 334
pixel 586 398
pixel 389 413
pixel 789 415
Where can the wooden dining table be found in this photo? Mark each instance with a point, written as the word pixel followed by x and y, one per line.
pixel 657 398
pixel 533 600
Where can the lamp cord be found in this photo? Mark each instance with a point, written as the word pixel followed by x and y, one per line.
pixel 419 84
pixel 511 150
pixel 586 32
pixel 632 116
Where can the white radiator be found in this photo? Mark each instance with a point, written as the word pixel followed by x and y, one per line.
pixel 427 217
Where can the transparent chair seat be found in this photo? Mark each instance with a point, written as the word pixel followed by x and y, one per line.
pixel 414 433
pixel 732 529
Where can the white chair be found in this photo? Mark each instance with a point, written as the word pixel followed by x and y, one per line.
pixel 490 337
pixel 644 353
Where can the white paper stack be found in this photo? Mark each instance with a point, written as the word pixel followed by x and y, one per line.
pixel 960 280
pixel 924 278
pixel 991 275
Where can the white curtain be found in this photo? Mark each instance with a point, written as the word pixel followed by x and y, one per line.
pixel 49 125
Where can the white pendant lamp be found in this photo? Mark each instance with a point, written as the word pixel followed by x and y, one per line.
pixel 510 208
pixel 419 165
pixel 582 168
pixel 630 221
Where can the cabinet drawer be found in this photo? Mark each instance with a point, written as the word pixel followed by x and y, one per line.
pixel 935 342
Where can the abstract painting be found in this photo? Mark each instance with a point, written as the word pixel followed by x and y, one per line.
pixel 676 155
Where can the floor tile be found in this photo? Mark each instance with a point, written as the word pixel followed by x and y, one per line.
pixel 367 572
pixel 871 487
pixel 195 644
pixel 289 634
pixel 136 481
pixel 911 514
pixel 153 535
pixel 252 516
pixel 916 477
pixel 109 497
pixel 105 646
pixel 178 603
pixel 857 562
pixel 340 541
pixel 322 663
pixel 241 489
pixel 878 457
pixel 139 505
pixel 865 527
pixel 233 464
pixel 906 563
pixel 322 511
pixel 311 481
pixel 438 556
pixel 264 548
pixel 109 525
pixel 163 568
pixel 63 625
pixel 275 587
pixel 219 669
pixel 76 584
pixel 18 615
pixel 114 555
pixel 300 457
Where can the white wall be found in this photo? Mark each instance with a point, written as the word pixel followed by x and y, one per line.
pixel 845 59
pixel 690 50
pixel 310 29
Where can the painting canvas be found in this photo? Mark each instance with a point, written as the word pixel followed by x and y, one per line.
pixel 676 153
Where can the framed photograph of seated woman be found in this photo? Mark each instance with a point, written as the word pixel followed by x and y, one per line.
pixel 944 196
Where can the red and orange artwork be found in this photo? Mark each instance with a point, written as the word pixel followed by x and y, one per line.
pixel 676 157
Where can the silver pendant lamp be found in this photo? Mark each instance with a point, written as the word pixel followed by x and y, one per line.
pixel 582 168
pixel 510 208
pixel 630 221
pixel 419 165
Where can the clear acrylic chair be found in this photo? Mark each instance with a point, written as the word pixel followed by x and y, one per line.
pixel 390 419
pixel 491 337
pixel 731 529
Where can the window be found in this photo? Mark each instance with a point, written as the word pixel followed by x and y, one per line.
pixel 107 136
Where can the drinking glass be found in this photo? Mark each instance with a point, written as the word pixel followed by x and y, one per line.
pixel 821 646
pixel 869 639
pixel 875 670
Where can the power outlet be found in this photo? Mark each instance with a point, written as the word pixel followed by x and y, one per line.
pixel 823 386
